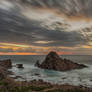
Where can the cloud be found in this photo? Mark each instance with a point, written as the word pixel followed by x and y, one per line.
pixel 70 8
pixel 22 30
pixel 6 50
pixel 6 5
pixel 43 27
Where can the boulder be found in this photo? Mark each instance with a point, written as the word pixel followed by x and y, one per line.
pixel 54 62
pixel 37 74
pixel 19 65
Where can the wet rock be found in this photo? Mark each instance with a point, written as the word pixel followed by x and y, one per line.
pixel 40 80
pixel 37 74
pixel 6 63
pixel 54 62
pixel 63 78
pixel 37 63
pixel 2 73
pixel 19 65
pixel 16 77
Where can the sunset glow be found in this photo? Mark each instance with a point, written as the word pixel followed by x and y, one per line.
pixel 14 45
pixel 36 27
pixel 19 53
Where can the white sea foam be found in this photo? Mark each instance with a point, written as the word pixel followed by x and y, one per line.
pixel 74 77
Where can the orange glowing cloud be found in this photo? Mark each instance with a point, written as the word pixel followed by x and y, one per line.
pixel 88 47
pixel 18 53
pixel 19 49
pixel 64 53
pixel 14 45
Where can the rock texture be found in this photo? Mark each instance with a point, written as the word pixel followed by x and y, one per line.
pixel 54 62
pixel 6 63
pixel 4 66
pixel 19 65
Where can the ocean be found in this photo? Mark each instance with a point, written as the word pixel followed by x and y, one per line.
pixel 30 72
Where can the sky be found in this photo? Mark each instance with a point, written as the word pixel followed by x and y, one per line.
pixel 35 27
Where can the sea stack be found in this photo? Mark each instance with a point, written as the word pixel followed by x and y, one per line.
pixel 54 62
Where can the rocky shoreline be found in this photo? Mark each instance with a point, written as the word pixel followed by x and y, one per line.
pixel 8 84
pixel 5 65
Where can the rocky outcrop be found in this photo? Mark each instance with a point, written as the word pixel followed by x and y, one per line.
pixel 4 66
pixel 54 62
pixel 2 73
pixel 6 63
pixel 19 65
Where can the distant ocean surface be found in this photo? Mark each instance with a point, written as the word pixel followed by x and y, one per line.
pixel 30 72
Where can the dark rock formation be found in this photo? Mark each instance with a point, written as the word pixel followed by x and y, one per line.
pixel 54 62
pixel 4 66
pixel 2 73
pixel 6 63
pixel 37 63
pixel 19 65
pixel 37 74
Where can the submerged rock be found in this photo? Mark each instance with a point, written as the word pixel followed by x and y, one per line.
pixel 54 62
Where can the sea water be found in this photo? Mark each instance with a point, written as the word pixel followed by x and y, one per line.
pixel 30 72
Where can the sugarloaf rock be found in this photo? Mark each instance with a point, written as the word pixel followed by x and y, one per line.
pixel 54 62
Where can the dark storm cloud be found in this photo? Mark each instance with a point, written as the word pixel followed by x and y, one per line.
pixel 68 7
pixel 15 28
pixel 61 38
pixel 13 25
